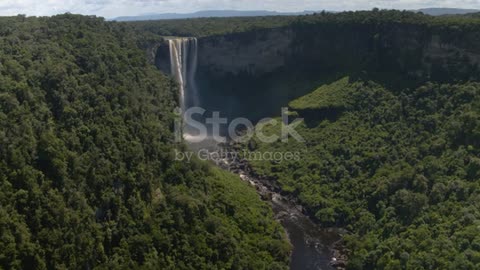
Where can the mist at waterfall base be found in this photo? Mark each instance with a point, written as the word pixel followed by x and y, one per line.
pixel 311 245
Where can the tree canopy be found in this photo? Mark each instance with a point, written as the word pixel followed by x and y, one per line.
pixel 398 169
pixel 88 177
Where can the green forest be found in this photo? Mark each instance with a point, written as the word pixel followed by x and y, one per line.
pixel 87 172
pixel 399 170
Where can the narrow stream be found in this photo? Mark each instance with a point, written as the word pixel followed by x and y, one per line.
pixel 314 247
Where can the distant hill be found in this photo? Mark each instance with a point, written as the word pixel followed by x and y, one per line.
pixel 447 11
pixel 209 13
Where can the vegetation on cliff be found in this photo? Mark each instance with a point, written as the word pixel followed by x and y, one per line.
pixel 202 27
pixel 329 96
pixel 87 171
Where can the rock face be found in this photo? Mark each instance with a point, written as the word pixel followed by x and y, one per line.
pixel 162 58
pixel 253 52
pixel 413 50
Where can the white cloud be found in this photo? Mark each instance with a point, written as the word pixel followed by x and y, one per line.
pixel 112 8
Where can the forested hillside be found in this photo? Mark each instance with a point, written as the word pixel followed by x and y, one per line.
pixel 87 172
pixel 399 169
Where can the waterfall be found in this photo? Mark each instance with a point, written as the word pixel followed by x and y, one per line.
pixel 183 67
pixel 183 63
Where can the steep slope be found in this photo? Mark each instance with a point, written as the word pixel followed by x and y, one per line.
pixel 88 177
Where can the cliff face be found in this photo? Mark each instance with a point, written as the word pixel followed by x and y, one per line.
pixel 162 57
pixel 458 57
pixel 408 49
pixel 252 52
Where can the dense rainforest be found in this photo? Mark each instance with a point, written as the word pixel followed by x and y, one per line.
pixel 400 170
pixel 88 178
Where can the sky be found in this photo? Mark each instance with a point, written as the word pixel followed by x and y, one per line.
pixel 112 8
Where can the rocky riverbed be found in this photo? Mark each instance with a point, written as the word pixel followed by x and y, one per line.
pixel 314 247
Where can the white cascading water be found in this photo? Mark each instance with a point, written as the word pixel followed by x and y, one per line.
pixel 183 63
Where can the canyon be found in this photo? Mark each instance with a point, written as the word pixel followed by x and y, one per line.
pixel 253 74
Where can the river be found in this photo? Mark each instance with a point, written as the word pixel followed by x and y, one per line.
pixel 314 248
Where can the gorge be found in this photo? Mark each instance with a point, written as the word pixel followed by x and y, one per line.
pixel 255 72
pixel 313 247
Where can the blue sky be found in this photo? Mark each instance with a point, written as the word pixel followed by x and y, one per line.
pixel 111 8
